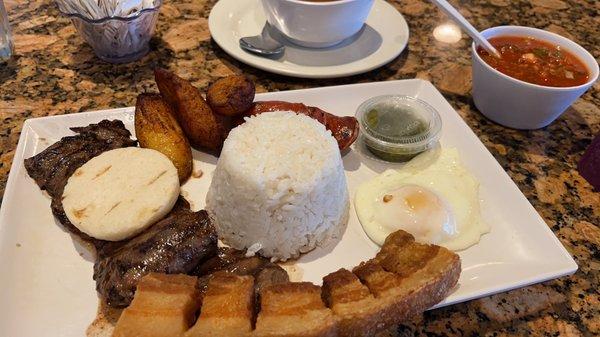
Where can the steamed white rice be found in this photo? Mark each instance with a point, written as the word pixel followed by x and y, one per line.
pixel 279 188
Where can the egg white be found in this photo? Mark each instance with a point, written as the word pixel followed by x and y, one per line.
pixel 441 172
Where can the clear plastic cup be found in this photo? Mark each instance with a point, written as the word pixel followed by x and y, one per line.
pixel 118 39
pixel 396 128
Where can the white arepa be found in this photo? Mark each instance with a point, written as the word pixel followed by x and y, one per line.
pixel 279 188
pixel 121 192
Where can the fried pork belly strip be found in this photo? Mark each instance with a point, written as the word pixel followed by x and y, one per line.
pixel 407 278
pixel 163 306
pixel 358 312
pixel 428 272
pixel 227 307
pixel 234 261
pixel 294 309
pixel 404 279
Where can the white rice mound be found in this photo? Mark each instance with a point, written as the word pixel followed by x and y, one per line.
pixel 279 187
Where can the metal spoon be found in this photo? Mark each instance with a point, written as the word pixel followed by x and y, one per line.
pixel 464 24
pixel 263 44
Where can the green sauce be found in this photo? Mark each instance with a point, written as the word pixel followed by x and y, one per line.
pixel 395 122
pixel 390 124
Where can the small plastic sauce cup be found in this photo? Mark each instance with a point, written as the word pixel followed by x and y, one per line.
pixel 396 128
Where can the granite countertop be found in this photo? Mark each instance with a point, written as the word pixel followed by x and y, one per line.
pixel 55 72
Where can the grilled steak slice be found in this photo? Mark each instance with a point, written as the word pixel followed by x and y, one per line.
pixel 224 257
pixel 235 261
pixel 174 245
pixel 52 167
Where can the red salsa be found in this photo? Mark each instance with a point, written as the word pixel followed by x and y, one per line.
pixel 535 61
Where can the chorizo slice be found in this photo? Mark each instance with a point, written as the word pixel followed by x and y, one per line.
pixel 343 129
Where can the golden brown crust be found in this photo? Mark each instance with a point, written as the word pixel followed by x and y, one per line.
pixel 380 282
pixel 352 303
pixel 398 240
pixel 289 298
pixel 163 306
pixel 343 286
pixel 204 129
pixel 294 309
pixel 227 307
pixel 231 95
pixel 407 277
pixel 409 262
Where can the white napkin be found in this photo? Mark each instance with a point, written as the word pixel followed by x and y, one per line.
pixel 98 9
pixel 129 7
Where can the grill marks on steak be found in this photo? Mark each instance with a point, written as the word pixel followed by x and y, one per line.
pixel 52 167
pixel 176 244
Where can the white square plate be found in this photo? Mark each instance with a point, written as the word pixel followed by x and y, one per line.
pixel 47 287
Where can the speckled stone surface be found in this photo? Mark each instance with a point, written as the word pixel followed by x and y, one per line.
pixel 55 72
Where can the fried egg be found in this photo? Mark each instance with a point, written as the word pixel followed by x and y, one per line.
pixel 433 197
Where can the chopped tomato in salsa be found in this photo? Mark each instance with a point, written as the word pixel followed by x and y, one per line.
pixel 535 61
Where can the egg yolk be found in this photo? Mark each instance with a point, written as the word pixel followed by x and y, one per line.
pixel 417 210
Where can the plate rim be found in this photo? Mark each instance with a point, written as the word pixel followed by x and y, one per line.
pixel 320 72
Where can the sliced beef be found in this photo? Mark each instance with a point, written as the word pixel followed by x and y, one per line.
pixel 224 257
pixel 176 244
pixel 52 167
pixel 235 261
pixel 110 132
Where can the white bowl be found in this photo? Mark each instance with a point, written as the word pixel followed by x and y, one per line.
pixel 522 105
pixel 317 24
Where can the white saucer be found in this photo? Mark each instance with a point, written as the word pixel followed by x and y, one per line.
pixel 382 39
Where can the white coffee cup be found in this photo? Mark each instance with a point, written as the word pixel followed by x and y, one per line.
pixel 317 24
pixel 522 105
